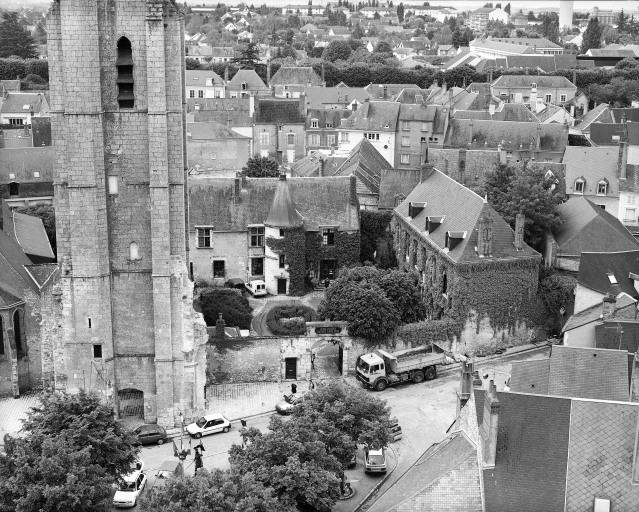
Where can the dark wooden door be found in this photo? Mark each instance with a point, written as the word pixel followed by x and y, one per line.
pixel 290 368
pixel 281 286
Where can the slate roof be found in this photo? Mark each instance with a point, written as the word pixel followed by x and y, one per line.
pixel 587 227
pixel 511 134
pixel 601 113
pixel 10 85
pixel 14 278
pixel 8 300
pixel 539 42
pixel 392 90
pixel 625 306
pixel 211 130
pixel 618 334
pixel 602 133
pixel 283 212
pixel 42 272
pixel 575 372
pixel 509 112
pixel 41 128
pixel 397 182
pixel 275 110
pixel 631 183
pixel 319 97
pixel 23 162
pixel 595 268
pixel 15 102
pixel 29 232
pixel 413 95
pixel 592 164
pixel 374 115
pixel 419 112
pixel 199 77
pixel 320 201
pixel 525 81
pixel 295 76
pixel 252 79
pixel 627 113
pixel 366 164
pixel 546 63
pixel 309 166
pixel 462 209
pixel 323 116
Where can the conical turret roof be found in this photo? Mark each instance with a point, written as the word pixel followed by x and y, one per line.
pixel 283 213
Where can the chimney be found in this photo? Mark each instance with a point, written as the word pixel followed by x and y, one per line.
pixel 520 222
pixel 237 187
pixel 533 99
pixel 465 385
pixel 574 77
pixel 609 305
pixel 470 132
pixel 354 199
pixel 323 76
pixel 489 425
pixel 226 75
pixel 502 153
pixel 322 163
pixel 490 76
pixel 242 180
pixel 622 159
pixel 220 324
pixel 538 136
pixel 268 73
pixel 485 237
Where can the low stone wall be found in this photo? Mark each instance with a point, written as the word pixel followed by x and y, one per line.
pixel 244 360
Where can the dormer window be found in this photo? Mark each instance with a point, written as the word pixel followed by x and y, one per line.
pixel 243 86
pixel 124 64
pixel 314 123
pixel 533 85
pixel 329 125
pixel 453 238
pixel 580 185
pixel 602 188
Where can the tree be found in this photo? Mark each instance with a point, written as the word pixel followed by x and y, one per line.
pixel 622 22
pixel 529 192
pixel 507 8
pixel 400 12
pixel 444 35
pixel 336 50
pixel 70 453
pixel 609 34
pixel 550 27
pixel 357 32
pixel 249 55
pixel 212 492
pixel 403 291
pixel 592 36
pixel 261 167
pixel 235 308
pixel 383 47
pixel 192 64
pixel 47 214
pixel 14 39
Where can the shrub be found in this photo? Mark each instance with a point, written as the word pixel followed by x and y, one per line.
pixel 35 79
pixel 289 320
pixel 235 308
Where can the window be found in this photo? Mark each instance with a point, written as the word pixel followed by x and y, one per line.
pixel 97 351
pixel 533 85
pixel 314 123
pixel 36 174
pixel 1 338
pixel 243 86
pixel 257 266
pixel 113 185
pixel 405 141
pixel 372 136
pixel 17 332
pixel 328 236
pixel 191 93
pixel 314 139
pixel 328 125
pixel 330 140
pixel 548 98
pixel 562 98
pixel 405 126
pixel 281 233
pixel 630 215
pixel 290 139
pixel 134 252
pixel 404 159
pixel 203 237
pixel 399 199
pixel 580 185
pixel 219 269
pixel 344 136
pixel 14 188
pixel 257 236
pixel 282 260
pixel 16 122
pixel 124 64
pixel 602 188
pixel 424 127
pixel 265 138
pixel 200 94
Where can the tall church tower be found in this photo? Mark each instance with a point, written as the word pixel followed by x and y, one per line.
pixel 127 327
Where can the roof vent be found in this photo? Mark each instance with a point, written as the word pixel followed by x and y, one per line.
pixel 415 208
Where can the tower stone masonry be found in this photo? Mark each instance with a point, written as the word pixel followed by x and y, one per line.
pixel 126 322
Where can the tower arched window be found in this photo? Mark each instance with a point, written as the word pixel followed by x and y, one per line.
pixel 1 338
pixel 17 333
pixel 134 252
pixel 124 65
pixel 580 186
pixel 602 187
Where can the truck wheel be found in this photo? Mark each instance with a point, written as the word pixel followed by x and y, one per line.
pixel 380 385
pixel 431 373
pixel 418 376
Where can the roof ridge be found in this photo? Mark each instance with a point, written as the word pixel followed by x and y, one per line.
pixel 457 183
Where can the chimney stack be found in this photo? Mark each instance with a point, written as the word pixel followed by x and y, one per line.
pixel 237 187
pixel 520 222
pixel 622 160
pixel 323 76
pixel 470 132
pixel 322 163
pixel 608 306
pixel 485 237
pixel 533 99
pixel 226 75
pixel 268 73
pixel 220 324
pixel 502 153
pixel 538 136
pixel 489 425
pixel 465 385
pixel 574 77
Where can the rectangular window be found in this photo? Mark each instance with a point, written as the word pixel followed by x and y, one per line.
pixel 562 98
pixel 629 199
pixel 219 268
pixel 328 236
pixel 602 189
pixel 16 122
pixel 203 238
pixel 257 266
pixel 314 123
pixel 191 93
pixel 330 140
pixel 548 98
pixel 579 187
pixel 282 260
pixel 630 215
pixel 200 94
pixel 281 233
pixel 290 139
pixel 328 125
pixel 405 125
pixel 265 138
pixel 113 185
pixel 424 127
pixel 404 159
pixel 36 174
pixel 257 236
pixel 97 351
pixel 314 139
pixel 344 136
pixel 405 141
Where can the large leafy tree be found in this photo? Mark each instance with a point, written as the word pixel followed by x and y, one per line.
pixel 337 50
pixel 70 453
pixel 249 55
pixel 530 192
pixel 261 167
pixel 14 38
pixel 235 309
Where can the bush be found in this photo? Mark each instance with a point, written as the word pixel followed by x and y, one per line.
pixel 35 79
pixel 235 308
pixel 289 320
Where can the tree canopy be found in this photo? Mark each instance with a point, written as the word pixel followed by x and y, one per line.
pixel 249 55
pixel 336 50
pixel 261 167
pixel 235 308
pixel 14 38
pixel 592 36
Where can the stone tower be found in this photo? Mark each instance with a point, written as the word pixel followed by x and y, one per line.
pixel 126 323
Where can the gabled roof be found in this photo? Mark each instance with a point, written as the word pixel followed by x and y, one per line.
pixel 276 110
pixel 323 117
pixel 211 130
pixel 8 300
pixel 609 272
pixel 592 164
pixel 329 201
pixel 23 162
pixel 30 234
pixel 387 91
pixel 508 112
pixel 199 78
pixel 13 275
pixel 367 164
pixel 295 76
pixel 601 134
pixel 601 113
pixel 319 97
pixel 248 76
pixel 576 372
pixel 310 165
pixel 587 227
pixel 395 184
pixel 24 102
pixel 374 115
pixel 283 212
pixel 625 308
pixel 413 95
pixel 461 209
pixel 526 81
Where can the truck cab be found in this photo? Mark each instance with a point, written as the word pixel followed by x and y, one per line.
pixel 370 367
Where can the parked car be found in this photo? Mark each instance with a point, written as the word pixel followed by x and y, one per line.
pixel 131 487
pixel 208 424
pixel 288 403
pixel 257 288
pixel 150 434
pixel 395 429
pixel 374 460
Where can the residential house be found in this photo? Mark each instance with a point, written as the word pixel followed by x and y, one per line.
pixel 548 113
pixel 438 13
pixel 371 12
pixel 212 146
pixel 279 129
pixel 480 18
pixel 26 175
pixel 18 108
pixel 239 228
pixel 7 86
pixel 338 97
pixel 317 164
pixel 446 50
pixel 291 82
pixel 494 47
pixel 235 113
pixel 200 53
pixel 556 90
pixel 388 92
pixel 585 227
pixel 396 184
pixel 338 33
pixel 304 10
pixel 37 134
pixel 245 36
pixel 605 17
pixel 370 43
pixel 231 27
pixel 600 114
pixel 517 112
pixel 222 54
pixel 322 128
pixel 203 84
pixel 246 82
pixel 472 266
pixel 419 125
pixel 375 121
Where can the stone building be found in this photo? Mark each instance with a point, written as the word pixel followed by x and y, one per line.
pixel 473 268
pixel 279 129
pixel 124 298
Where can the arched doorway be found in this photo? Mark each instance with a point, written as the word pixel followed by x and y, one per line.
pixel 18 333
pixel 131 403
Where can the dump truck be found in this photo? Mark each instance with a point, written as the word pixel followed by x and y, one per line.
pixel 379 369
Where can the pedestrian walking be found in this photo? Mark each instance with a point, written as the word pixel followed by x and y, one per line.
pixel 243 422
pixel 312 360
pixel 293 388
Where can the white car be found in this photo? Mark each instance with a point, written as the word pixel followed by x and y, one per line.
pixel 257 288
pixel 208 424
pixel 374 460
pixel 129 491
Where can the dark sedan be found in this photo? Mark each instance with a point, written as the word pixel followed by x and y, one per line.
pixel 150 434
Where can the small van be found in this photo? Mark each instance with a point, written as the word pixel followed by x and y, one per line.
pixel 374 460
pixel 257 288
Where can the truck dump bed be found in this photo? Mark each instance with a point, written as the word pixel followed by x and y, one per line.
pixel 414 358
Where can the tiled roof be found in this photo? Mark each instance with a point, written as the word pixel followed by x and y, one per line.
pixel 309 166
pixel 366 164
pixel 587 227
pixel 625 305
pixel 530 376
pixel 199 78
pixel 29 232
pixel 525 81
pixel 592 164
pixel 211 130
pixel 601 113
pixel 248 76
pixel 397 183
pixel 23 162
pixel 283 212
pixel 602 134
pixel 320 201
pixel 319 97
pixel 462 209
pixel 333 117
pixel 374 115
pixel 295 76
pixel 24 102
pixel 285 111
pixel 596 267
pixel 532 449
